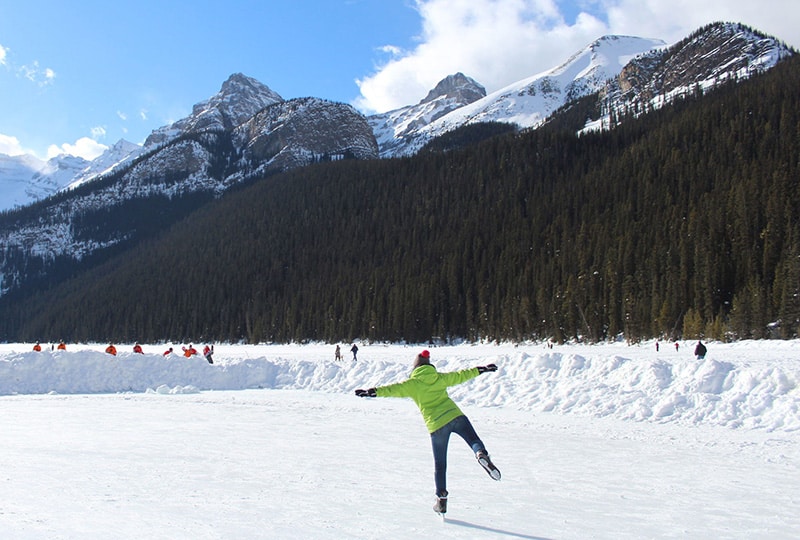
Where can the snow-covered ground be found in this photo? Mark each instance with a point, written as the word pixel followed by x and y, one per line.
pixel 594 441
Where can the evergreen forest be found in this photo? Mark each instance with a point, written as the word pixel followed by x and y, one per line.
pixel 680 223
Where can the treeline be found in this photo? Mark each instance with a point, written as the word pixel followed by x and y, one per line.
pixel 682 223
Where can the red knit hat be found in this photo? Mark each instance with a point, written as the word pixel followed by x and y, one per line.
pixel 425 354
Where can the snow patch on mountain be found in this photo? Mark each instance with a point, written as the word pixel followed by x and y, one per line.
pixel 119 155
pixel 26 179
pixel 16 173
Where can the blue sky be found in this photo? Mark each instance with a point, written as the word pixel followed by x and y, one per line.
pixel 76 77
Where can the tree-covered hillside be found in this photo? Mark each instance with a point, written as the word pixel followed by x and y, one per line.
pixel 683 222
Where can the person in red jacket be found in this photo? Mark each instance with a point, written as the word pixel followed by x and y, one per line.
pixel 111 349
pixel 138 349
pixel 428 388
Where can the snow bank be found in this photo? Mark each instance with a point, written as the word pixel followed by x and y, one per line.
pixel 743 392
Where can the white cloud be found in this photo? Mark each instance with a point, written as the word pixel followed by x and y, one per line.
pixel 122 116
pixel 98 132
pixel 3 54
pixel 673 20
pixel 498 42
pixel 36 74
pixel 11 146
pixel 84 147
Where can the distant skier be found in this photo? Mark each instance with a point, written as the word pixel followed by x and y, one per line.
pixel 111 349
pixel 138 349
pixel 208 352
pixel 700 351
pixel 191 351
pixel 62 346
pixel 337 355
pixel 354 350
pixel 37 347
pixel 428 388
pixel 168 352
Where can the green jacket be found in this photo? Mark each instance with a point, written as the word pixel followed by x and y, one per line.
pixel 428 388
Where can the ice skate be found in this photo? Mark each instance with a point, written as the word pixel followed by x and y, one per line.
pixel 441 503
pixel 486 463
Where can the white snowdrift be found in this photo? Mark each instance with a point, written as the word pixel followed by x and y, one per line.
pixel 738 386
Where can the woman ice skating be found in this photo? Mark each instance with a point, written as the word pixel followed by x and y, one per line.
pixel 428 388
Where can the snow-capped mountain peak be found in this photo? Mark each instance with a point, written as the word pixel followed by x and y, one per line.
pixel 238 100
pixel 530 101
pixel 526 103
pixel 458 87
pixel 396 130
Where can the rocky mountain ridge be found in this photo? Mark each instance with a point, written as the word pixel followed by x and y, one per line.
pixel 710 56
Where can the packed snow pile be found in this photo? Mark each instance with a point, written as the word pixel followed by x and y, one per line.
pixel 743 385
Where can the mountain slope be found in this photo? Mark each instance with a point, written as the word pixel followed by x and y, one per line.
pixel 246 132
pixel 196 158
pixel 663 226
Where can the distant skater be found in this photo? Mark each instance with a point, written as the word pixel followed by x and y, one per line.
pixel 354 350
pixel 700 351
pixel 428 388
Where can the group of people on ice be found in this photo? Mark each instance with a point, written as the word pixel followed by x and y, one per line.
pixel 188 352
pixel 61 346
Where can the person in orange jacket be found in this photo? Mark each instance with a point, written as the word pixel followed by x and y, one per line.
pixel 111 349
pixel 138 349
pixel 62 346
pixel 37 347
pixel 191 351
